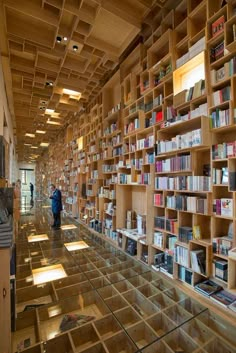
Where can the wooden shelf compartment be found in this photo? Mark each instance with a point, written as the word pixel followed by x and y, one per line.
pixel 197 19
pixel 142 334
pixel 160 49
pixel 35 295
pixel 26 329
pixel 223 11
pixel 218 327
pixel 139 303
pixel 177 314
pixel 120 343
pixel 207 250
pixel 180 340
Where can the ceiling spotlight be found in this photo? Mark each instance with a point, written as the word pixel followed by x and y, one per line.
pixel 65 39
pixel 49 83
pixel 41 108
pixel 75 47
pixel 59 39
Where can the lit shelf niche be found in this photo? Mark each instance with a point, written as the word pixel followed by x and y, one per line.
pixel 188 74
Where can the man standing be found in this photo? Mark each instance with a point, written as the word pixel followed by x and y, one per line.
pixel 31 190
pixel 56 206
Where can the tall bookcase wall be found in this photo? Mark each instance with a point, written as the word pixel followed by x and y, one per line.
pixel 152 147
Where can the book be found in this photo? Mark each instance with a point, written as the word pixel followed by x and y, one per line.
pixel 217 27
pixel 223 298
pixel 227 207
pixel 196 232
pixel 207 287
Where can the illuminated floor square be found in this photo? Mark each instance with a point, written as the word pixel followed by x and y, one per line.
pixel 76 245
pixel 68 226
pixel 39 237
pixel 48 274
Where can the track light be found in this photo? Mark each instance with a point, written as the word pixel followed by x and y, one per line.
pixel 75 47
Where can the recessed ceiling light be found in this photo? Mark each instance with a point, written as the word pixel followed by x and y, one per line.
pixel 30 135
pixel 75 47
pixel 34 147
pixel 27 144
pixel 44 144
pixel 65 38
pixel 41 108
pixel 59 39
pixel 49 111
pixel 40 132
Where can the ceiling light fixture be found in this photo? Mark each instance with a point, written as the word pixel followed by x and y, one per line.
pixel 59 39
pixel 75 47
pixel 40 132
pixel 34 147
pixel 27 144
pixel 65 39
pixel 44 144
pixel 53 122
pixel 49 83
pixel 49 111
pixel 72 94
pixel 30 135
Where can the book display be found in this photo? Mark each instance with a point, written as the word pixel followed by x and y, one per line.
pixel 150 165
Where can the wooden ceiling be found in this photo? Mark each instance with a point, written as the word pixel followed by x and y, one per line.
pixel 51 45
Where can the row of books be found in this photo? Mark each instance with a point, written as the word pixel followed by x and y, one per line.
pixel 195 49
pixel 155 118
pixel 181 256
pixel 217 52
pixel 144 179
pixel 132 126
pixel 228 70
pixel 145 142
pixel 221 96
pixel 222 245
pixel 198 261
pixel 173 164
pixel 188 140
pixel 158 200
pixel 223 207
pixel 187 203
pixel 201 110
pixel 168 224
pixel 220 118
pixel 220 175
pixel 158 100
pixel 217 294
pixel 183 182
pixel 185 234
pixel 224 150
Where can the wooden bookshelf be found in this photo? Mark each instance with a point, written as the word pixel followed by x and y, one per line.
pixel 130 158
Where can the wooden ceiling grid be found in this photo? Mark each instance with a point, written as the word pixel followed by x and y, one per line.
pixel 38 65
